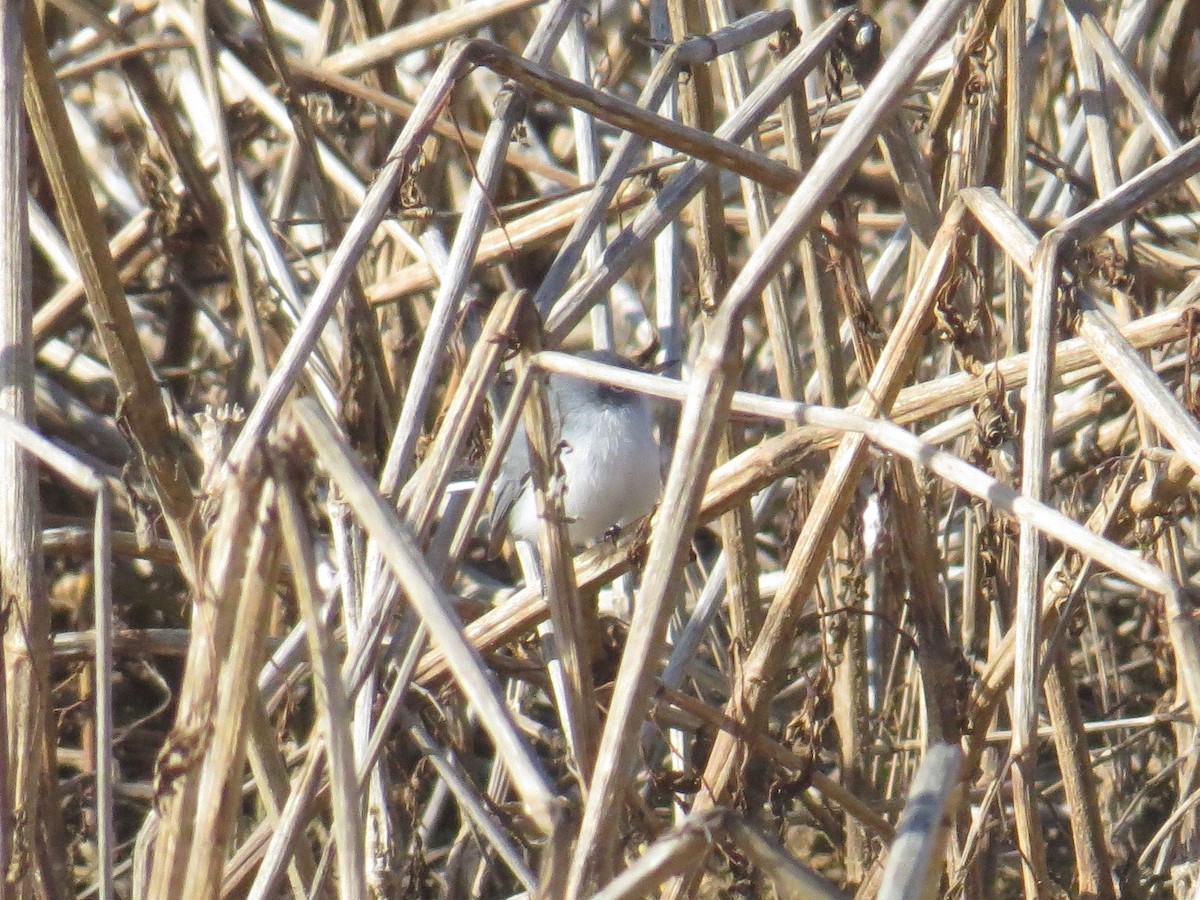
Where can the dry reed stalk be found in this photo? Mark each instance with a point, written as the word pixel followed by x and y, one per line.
pixel 218 793
pixel 436 29
pixel 215 619
pixel 913 867
pixel 23 878
pixel 106 841
pixel 573 620
pixel 25 618
pixel 144 413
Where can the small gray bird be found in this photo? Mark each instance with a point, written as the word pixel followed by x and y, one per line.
pixel 608 455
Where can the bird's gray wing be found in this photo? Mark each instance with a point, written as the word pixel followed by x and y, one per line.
pixel 511 481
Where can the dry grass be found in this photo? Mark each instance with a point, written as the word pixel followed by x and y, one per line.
pixel 914 616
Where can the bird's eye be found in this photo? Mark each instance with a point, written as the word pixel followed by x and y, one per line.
pixel 613 392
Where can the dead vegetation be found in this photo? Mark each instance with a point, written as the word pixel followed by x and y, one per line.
pixel 914 616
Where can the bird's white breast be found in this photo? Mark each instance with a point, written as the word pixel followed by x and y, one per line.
pixel 612 478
